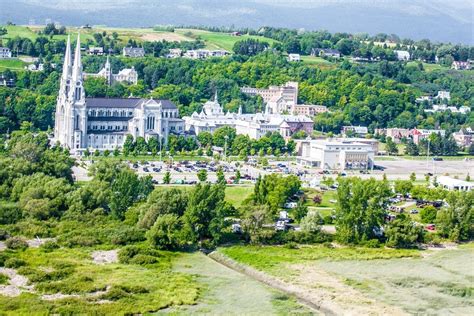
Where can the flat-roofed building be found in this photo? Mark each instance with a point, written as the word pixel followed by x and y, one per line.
pixel 454 184
pixel 333 154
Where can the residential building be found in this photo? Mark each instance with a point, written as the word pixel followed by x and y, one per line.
pixel 331 154
pixel 308 109
pixel 5 52
pixel 255 126
pixel 443 107
pixel 465 137
pixel 288 91
pixel 402 55
pixel 356 130
pixel 127 75
pixel 104 123
pixel 443 95
pixel 420 134
pixel 452 184
pixel 174 53
pixel 5 82
pixel 98 51
pixel 397 134
pixel 294 57
pixel 461 65
pixel 134 52
pixel 205 53
pixel 35 67
pixel 326 52
pixel 424 98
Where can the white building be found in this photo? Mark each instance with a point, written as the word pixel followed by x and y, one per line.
pixel 174 53
pixel 443 95
pixel 103 123
pixel 134 52
pixel 5 52
pixel 255 126
pixel 94 50
pixel 128 75
pixel 443 108
pixel 294 57
pixel 461 65
pixel 402 55
pixel 357 130
pixel 331 154
pixel 204 53
pixel 454 184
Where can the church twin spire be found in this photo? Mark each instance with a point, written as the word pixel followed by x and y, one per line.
pixel 72 71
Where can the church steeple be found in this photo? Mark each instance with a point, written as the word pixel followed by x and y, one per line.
pixel 67 60
pixel 215 97
pixel 77 68
pixel 240 109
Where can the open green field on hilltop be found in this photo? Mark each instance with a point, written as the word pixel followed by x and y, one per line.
pixel 428 67
pixel 318 61
pixel 219 40
pixel 12 64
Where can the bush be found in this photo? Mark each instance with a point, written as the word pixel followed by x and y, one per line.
pixel 9 214
pixel 3 234
pixel 372 243
pixel 3 258
pixel 428 214
pixel 143 259
pixel 127 235
pixel 81 241
pixel 14 263
pixel 49 246
pixel 16 243
pixel 4 279
pixel 138 255
pixel 291 245
pixel 118 292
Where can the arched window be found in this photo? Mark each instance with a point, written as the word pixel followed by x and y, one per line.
pixel 150 122
pixel 76 123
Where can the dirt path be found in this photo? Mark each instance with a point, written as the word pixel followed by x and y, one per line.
pixel 227 292
pixel 316 289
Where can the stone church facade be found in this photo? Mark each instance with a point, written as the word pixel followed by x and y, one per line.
pixel 103 123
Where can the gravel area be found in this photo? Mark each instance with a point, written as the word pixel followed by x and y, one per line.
pixel 17 283
pixel 105 256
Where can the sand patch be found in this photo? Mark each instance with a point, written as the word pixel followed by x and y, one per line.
pixel 105 256
pixel 16 283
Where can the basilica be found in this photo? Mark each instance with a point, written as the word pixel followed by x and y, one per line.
pixel 103 123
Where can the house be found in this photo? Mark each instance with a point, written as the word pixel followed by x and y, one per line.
pixel 396 134
pixel 464 138
pixel 35 67
pixel 443 108
pixel 127 75
pixel 97 51
pixel 104 123
pixel 294 57
pixel 204 53
pixel 443 95
pixel 331 154
pixel 236 34
pixel 452 184
pixel 420 134
pixel 424 98
pixel 134 52
pixel 5 82
pixel 461 65
pixel 5 52
pixel 325 52
pixel 308 109
pixel 402 55
pixel 357 130
pixel 174 53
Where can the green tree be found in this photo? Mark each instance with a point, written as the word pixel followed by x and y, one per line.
pixel 167 177
pixel 403 187
pixel 412 177
pixel 300 211
pixel 161 202
pixel 128 145
pixel 428 214
pixel 220 176
pixel 237 176
pixel 403 233
pixel 456 221
pixel 391 147
pixel 360 208
pixel 202 175
pixel 166 233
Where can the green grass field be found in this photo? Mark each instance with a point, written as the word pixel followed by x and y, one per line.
pixel 237 194
pixel 218 40
pixel 428 67
pixel 12 64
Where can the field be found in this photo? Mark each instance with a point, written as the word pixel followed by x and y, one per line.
pixel 218 40
pixel 237 194
pixel 394 281
pixel 12 64
pixel 318 61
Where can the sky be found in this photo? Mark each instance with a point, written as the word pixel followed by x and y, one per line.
pixel 438 20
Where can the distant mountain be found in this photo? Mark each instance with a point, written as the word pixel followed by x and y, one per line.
pixel 438 20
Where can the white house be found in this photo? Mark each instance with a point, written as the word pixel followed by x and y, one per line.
pixel 133 52
pixel 443 95
pixel 357 130
pixel 294 57
pixel 402 55
pixel 5 52
pixel 336 154
pixel 454 184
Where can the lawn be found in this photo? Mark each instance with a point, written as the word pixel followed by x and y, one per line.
pixel 218 40
pixel 21 31
pixel 428 67
pixel 132 288
pixel 237 194
pixel 318 61
pixel 12 64
pixel 271 258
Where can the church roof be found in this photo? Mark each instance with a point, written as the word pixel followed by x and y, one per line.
pixel 125 103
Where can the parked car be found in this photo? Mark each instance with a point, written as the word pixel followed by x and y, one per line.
pixel 414 211
pixel 431 227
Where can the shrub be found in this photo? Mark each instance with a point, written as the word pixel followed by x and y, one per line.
pixel 81 241
pixel 3 234
pixel 4 279
pixel 16 243
pixel 372 243
pixel 115 293
pixel 3 258
pixel 127 235
pixel 428 214
pixel 49 246
pixel 9 214
pixel 143 259
pixel 291 245
pixel 14 263
pixel 138 255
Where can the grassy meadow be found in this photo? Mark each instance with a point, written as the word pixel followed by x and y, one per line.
pixel 12 64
